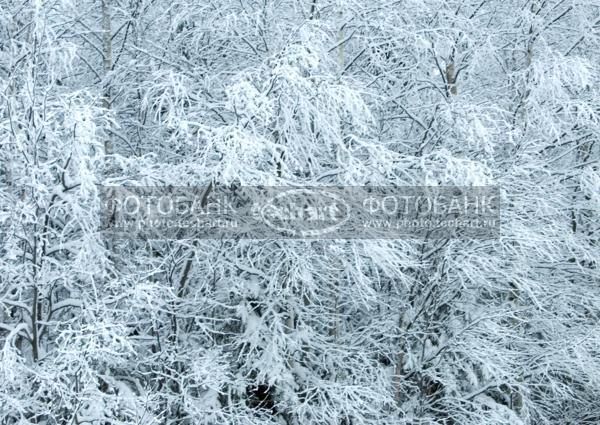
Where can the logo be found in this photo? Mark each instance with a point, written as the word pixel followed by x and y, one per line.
pixel 305 213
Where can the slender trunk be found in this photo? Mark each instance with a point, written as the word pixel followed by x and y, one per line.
pixel 35 304
pixel 34 325
pixel 107 66
pixel 341 45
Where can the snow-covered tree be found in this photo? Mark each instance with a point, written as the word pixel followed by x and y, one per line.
pixel 102 329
